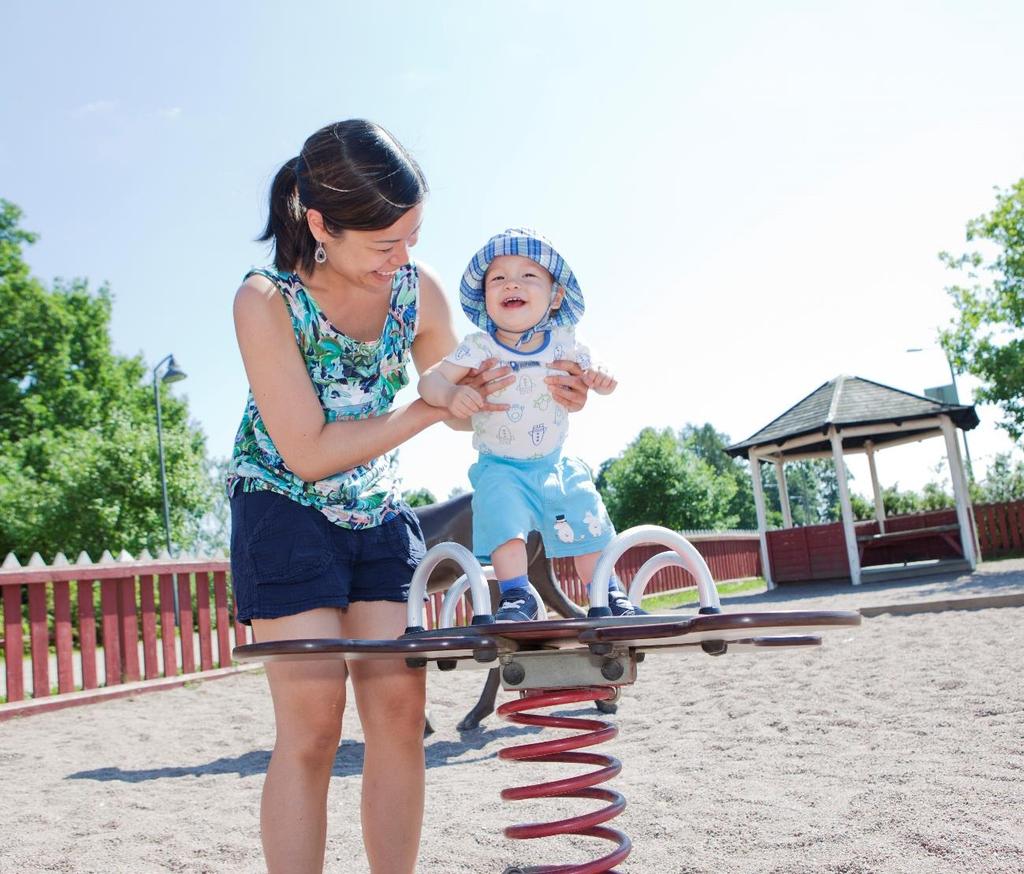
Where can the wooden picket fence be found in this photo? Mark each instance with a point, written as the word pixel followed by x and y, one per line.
pixel 1000 529
pixel 98 631
pixel 124 626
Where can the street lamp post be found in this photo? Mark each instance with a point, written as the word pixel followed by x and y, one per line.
pixel 956 399
pixel 171 374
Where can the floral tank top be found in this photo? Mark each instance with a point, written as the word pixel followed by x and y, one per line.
pixel 353 380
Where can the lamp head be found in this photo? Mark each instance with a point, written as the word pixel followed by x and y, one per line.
pixel 173 372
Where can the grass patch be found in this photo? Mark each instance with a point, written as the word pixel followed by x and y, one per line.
pixel 682 597
pixel 1004 556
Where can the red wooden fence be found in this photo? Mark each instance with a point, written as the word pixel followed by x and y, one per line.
pixel 85 648
pixel 818 552
pixel 73 658
pixel 1000 528
pixel 729 556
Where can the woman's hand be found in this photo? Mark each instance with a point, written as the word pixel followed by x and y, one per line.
pixel 488 379
pixel 569 389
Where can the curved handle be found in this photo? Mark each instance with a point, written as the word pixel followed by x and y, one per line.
pixel 682 553
pixel 470 568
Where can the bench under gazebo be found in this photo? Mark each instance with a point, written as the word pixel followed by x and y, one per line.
pixel 846 415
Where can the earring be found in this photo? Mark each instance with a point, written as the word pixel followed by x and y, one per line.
pixel 319 255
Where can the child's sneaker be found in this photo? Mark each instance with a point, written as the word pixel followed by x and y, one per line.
pixel 516 605
pixel 620 605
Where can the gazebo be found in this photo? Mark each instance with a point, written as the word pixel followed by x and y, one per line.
pixel 849 414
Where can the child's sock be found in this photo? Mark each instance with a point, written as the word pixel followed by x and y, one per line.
pixel 520 582
pixel 613 584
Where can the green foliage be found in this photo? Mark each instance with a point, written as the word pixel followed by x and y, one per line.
pixel 935 497
pixel 210 532
pixel 419 498
pixel 78 458
pixel 812 484
pixel 708 444
pixel 986 338
pixel 862 507
pixel 813 489
pixel 658 480
pixel 1004 481
pixel 897 503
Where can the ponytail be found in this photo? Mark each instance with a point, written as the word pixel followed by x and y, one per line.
pixel 286 228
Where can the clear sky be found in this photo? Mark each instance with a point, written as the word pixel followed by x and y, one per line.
pixel 753 195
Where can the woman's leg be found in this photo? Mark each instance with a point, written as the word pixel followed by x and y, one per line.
pixel 391 698
pixel 309 700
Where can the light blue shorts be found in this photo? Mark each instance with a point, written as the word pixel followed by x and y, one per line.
pixel 554 495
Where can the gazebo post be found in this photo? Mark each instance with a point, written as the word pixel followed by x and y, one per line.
pixel 844 504
pixel 879 503
pixel 960 493
pixel 762 517
pixel 967 493
pixel 780 478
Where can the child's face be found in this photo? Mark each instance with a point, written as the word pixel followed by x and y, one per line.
pixel 517 292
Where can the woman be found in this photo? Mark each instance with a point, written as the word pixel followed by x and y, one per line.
pixel 322 545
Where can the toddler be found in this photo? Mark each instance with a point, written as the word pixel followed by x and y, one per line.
pixel 526 301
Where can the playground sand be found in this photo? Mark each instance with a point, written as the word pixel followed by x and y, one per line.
pixel 895 747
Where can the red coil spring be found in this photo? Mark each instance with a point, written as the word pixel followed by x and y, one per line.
pixel 595 731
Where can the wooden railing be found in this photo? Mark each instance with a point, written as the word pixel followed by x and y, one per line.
pixel 86 632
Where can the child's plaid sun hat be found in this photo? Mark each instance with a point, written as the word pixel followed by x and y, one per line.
pixel 529 244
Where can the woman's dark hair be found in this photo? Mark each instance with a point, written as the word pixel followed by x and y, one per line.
pixel 355 174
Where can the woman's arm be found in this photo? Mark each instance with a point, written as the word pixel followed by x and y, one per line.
pixel 311 447
pixel 435 338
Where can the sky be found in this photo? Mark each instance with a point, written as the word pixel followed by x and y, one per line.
pixel 752 195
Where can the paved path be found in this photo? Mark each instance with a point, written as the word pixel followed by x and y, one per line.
pixel 993 583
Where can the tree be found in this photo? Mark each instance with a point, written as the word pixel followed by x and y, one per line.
pixel 1004 480
pixel 813 489
pixel 708 444
pixel 935 497
pixel 419 498
pixel 658 481
pixel 210 533
pixel 986 338
pixel 897 503
pixel 78 460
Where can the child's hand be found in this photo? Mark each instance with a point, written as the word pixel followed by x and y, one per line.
pixel 600 380
pixel 464 402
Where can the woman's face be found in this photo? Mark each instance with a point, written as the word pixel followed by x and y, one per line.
pixel 369 259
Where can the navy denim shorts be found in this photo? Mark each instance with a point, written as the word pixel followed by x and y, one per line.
pixel 287 558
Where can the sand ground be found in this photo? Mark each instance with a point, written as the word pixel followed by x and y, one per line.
pixel 895 747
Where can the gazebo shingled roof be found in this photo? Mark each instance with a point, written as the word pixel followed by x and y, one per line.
pixel 848 401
